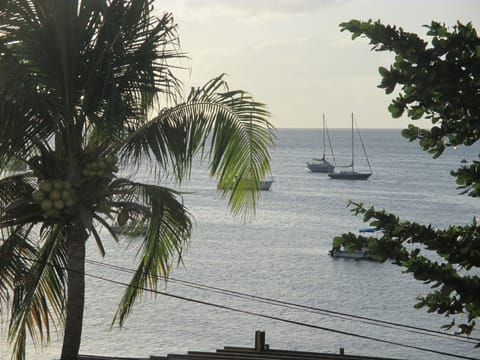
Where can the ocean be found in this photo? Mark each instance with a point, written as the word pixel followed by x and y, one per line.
pixel 273 273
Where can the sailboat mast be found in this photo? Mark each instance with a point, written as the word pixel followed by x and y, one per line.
pixel 323 115
pixel 353 147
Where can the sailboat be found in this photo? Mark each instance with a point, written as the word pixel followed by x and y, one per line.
pixel 322 165
pixel 266 184
pixel 263 185
pixel 351 174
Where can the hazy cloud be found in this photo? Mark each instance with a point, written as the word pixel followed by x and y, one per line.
pixel 292 55
pixel 261 7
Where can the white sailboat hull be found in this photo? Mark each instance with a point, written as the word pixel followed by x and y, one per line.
pixel 320 166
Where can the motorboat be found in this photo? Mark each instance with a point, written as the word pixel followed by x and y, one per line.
pixel 340 251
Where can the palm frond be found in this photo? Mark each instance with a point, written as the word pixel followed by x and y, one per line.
pixel 132 52
pixel 98 240
pixel 233 126
pixel 69 69
pixel 166 237
pixel 16 205
pixel 15 186
pixel 107 226
pixel 25 105
pixel 14 250
pixel 39 292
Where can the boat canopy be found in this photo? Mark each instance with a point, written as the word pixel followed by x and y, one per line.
pixel 369 229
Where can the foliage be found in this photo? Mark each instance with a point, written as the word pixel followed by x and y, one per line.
pixel 439 81
pixel 79 80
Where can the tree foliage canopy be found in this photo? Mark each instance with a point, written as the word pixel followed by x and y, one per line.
pixel 438 80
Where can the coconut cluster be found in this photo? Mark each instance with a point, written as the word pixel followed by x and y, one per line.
pixel 53 196
pixel 100 167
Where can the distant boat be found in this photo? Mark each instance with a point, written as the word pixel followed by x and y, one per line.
pixel 350 173
pixel 129 229
pixel 322 165
pixel 264 185
pixel 358 254
pixel 368 229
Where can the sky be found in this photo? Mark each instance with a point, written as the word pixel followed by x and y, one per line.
pixel 292 56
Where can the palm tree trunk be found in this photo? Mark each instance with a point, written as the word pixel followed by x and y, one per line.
pixel 76 238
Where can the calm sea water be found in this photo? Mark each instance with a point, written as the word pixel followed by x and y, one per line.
pixel 283 254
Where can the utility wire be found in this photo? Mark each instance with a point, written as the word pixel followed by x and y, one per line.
pixel 247 312
pixel 276 318
pixel 331 313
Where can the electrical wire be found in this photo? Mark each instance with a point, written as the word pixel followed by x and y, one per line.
pixel 276 318
pixel 252 313
pixel 285 304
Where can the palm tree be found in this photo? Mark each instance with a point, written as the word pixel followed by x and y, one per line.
pixel 78 82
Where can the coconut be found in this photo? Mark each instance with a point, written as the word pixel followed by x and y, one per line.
pixel 45 185
pixel 38 196
pixel 59 204
pixel 66 194
pixel 55 195
pixel 46 204
pixel 58 184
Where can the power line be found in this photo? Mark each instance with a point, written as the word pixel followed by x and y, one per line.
pixel 276 318
pixel 331 313
pixel 247 312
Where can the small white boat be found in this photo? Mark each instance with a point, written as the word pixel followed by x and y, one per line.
pixel 357 254
pixel 320 165
pixel 368 229
pixel 129 229
pixel 266 184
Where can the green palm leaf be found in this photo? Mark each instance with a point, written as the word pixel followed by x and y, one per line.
pixel 228 127
pixel 34 285
pixel 167 234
